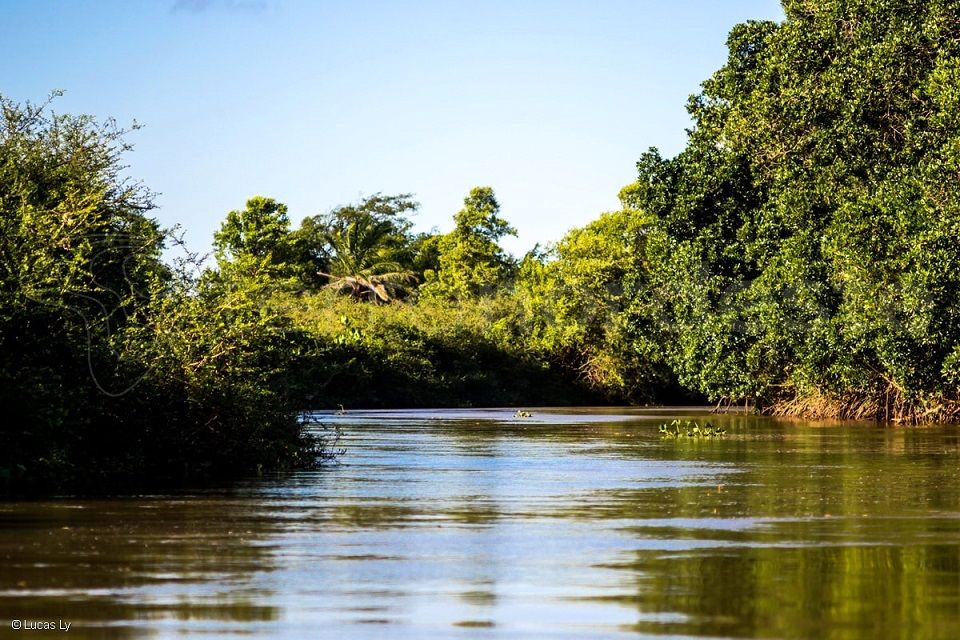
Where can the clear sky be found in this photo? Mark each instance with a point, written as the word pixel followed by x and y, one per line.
pixel 315 103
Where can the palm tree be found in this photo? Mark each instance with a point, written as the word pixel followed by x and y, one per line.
pixel 361 263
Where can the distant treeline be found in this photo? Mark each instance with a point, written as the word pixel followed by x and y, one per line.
pixel 801 254
pixel 395 318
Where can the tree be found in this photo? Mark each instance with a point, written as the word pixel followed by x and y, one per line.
pixel 257 236
pixel 361 264
pixel 77 258
pixel 584 297
pixel 804 248
pixel 364 250
pixel 471 261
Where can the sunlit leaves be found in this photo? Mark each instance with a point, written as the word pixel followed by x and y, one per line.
pixel 472 263
pixel 806 237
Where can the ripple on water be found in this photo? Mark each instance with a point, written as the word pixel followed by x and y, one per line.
pixel 580 523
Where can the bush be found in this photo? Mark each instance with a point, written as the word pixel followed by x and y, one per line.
pixel 432 353
pixel 114 365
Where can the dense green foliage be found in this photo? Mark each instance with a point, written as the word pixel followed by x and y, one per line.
pixel 559 327
pixel 426 354
pixel 471 334
pixel 585 302
pixel 114 364
pixel 805 247
pixel 471 262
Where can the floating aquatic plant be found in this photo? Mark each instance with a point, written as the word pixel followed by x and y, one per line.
pixel 690 429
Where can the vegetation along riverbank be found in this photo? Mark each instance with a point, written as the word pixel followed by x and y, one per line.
pixel 800 254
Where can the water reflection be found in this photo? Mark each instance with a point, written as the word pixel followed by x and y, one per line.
pixel 117 568
pixel 575 524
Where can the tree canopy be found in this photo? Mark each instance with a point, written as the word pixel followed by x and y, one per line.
pixel 805 246
pixel 470 259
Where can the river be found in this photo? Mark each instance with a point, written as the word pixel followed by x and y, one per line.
pixel 567 524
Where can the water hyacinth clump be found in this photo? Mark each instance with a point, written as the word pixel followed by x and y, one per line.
pixel 690 429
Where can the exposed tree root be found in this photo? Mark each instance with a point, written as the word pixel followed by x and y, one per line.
pixel 887 404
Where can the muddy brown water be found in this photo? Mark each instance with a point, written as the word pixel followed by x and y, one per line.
pixel 569 524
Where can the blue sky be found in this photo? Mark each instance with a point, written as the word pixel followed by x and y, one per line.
pixel 316 103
